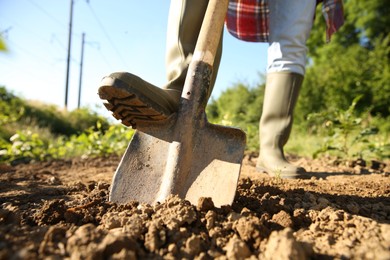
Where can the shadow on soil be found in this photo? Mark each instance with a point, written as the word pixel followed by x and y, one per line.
pixel 265 198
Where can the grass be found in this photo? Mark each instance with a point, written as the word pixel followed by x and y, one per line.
pixel 309 145
pixel 40 132
pixel 303 144
pixel 37 131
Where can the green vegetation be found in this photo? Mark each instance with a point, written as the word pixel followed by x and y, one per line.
pixel 356 62
pixel 239 106
pixel 26 145
pixel 348 135
pixel 31 131
pixel 2 45
pixel 343 109
pixel 345 133
pixel 19 114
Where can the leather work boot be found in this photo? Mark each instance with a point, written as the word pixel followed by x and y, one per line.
pixel 137 102
pixel 281 94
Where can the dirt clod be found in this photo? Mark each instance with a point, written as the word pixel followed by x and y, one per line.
pixel 283 245
pixel 237 249
pixel 205 204
pixel 60 210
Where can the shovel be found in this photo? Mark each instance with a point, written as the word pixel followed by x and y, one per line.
pixel 186 155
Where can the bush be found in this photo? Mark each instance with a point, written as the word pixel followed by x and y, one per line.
pixel 239 106
pixel 19 114
pixel 26 145
pixel 349 135
pixel 35 131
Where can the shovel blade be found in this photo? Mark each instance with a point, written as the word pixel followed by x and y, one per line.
pixel 146 171
pixel 138 176
pixel 215 169
pixel 189 156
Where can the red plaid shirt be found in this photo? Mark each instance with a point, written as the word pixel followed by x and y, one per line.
pixel 248 19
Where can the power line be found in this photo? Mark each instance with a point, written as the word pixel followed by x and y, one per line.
pixel 26 51
pixel 4 33
pixel 105 59
pixel 25 48
pixel 43 10
pixel 96 46
pixel 32 34
pixel 17 26
pixel 106 34
pixel 55 39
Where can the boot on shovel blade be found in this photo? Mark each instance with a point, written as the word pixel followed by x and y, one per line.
pixel 187 155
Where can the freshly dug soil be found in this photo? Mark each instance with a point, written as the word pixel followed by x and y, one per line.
pixel 60 209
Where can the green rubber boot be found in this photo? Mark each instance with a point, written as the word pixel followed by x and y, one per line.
pixel 133 100
pixel 281 94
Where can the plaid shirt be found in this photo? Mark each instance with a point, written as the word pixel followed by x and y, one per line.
pixel 248 19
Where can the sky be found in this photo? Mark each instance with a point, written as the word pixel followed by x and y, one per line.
pixel 120 35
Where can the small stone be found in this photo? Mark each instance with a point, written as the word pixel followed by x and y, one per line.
pixel 172 248
pixel 111 221
pixel 236 249
pixel 102 186
pixel 54 180
pixel 245 210
pixel 205 204
pixel 210 219
pixel 193 245
pixel 283 245
pixel 115 242
pixel 283 218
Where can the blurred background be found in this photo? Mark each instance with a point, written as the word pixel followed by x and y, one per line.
pixel 343 109
pixel 120 35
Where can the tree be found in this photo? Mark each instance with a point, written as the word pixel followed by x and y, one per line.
pixel 356 62
pixel 2 45
pixel 239 106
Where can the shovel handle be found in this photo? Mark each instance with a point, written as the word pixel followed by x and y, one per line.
pixel 210 33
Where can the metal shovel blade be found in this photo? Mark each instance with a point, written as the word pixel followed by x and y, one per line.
pixel 216 166
pixel 155 165
pixel 186 155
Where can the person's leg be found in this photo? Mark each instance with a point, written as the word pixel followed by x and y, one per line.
pixel 135 101
pixel 290 25
pixel 184 24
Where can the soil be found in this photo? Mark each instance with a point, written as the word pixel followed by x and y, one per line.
pixel 60 209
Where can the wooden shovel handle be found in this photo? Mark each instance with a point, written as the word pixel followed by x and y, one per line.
pixel 210 33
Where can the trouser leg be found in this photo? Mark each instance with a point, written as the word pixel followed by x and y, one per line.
pixel 289 28
pixel 290 25
pixel 184 24
pixel 136 102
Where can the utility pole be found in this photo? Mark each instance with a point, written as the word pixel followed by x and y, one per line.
pixel 81 68
pixel 68 59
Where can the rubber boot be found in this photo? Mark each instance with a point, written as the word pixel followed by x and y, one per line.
pixel 281 94
pixel 133 100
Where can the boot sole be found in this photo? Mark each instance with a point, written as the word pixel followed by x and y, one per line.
pixel 132 108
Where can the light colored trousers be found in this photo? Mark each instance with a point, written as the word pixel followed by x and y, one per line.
pixel 290 23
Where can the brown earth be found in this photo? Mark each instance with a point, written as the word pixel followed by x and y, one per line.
pixel 59 209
